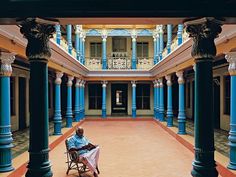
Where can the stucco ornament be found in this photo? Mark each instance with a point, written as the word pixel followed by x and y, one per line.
pixel 6 60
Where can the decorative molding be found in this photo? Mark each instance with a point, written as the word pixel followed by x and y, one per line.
pixel 231 58
pixel 168 78
pixel 93 32
pixel 119 32
pixel 6 60
pixel 70 79
pixel 144 32
pixel 58 77
pixel 180 75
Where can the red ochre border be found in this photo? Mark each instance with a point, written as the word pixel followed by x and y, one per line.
pixel 223 171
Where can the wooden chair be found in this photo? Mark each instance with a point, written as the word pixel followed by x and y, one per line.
pixel 73 162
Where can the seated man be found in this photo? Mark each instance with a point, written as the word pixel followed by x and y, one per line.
pixel 88 153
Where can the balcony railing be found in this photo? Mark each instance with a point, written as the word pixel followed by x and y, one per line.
pixel 119 63
pixel 144 62
pixel 93 63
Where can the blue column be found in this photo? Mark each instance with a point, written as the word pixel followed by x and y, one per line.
pixel 58 34
pixel 134 52
pixel 80 101
pixel 154 50
pixel 77 41
pixel 161 41
pixel 57 111
pixel 83 100
pixel 69 114
pixel 104 109
pixel 161 104
pixel 83 50
pixel 181 115
pixel 69 38
pixel 5 113
pixel 158 100
pixel 231 58
pixel 155 99
pixel 158 47
pixel 169 113
pixel 133 99
pixel 180 34
pixel 104 52
pixel 169 38
pixel 81 47
pixel 76 111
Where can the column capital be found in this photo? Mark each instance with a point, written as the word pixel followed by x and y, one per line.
pixel 104 83
pixel 78 29
pixel 83 83
pixel 133 35
pixel 168 78
pixel 155 83
pixel 59 75
pixel 38 32
pixel 133 83
pixel 160 80
pixel 6 60
pixel 70 79
pixel 203 31
pixel 194 67
pixel 77 83
pixel 231 58
pixel 104 35
pixel 180 75
pixel 161 29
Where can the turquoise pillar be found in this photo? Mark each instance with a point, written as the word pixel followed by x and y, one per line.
pixel 155 98
pixel 169 113
pixel 58 34
pixel 161 41
pixel 158 47
pixel 80 100
pixel 83 50
pixel 134 52
pixel 204 31
pixel 77 41
pixel 69 38
pixel 158 100
pixel 104 109
pixel 154 49
pixel 181 115
pixel 81 47
pixel 133 99
pixel 77 97
pixel 5 112
pixel 104 51
pixel 83 100
pixel 180 34
pixel 69 114
pixel 38 53
pixel 57 111
pixel 169 38
pixel 231 58
pixel 161 103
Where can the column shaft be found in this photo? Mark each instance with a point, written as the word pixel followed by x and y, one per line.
pixel 155 100
pixel 133 100
pixel 169 38
pixel 169 104
pixel 69 39
pixel 181 115
pixel 158 48
pixel 69 114
pixel 158 101
pixel 58 34
pixel 57 111
pixel 76 110
pixel 77 42
pixel 104 54
pixel 161 105
pixel 104 114
pixel 180 34
pixel 161 42
pixel 154 51
pixel 80 102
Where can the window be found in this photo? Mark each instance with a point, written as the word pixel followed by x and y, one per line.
pixel 143 96
pixel 95 49
pixel 119 44
pixel 188 94
pixel 142 49
pixel 227 95
pixel 12 96
pixel 95 96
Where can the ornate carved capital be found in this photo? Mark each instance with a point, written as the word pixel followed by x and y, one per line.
pixel 155 83
pixel 168 78
pixel 104 35
pixel 160 80
pixel 194 67
pixel 203 31
pixel 37 32
pixel 58 77
pixel 161 29
pixel 231 58
pixel 104 83
pixel 78 29
pixel 134 35
pixel 6 60
pixel 77 84
pixel 180 75
pixel 133 83
pixel 70 79
pixel 83 83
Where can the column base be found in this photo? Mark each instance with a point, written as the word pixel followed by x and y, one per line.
pixel 104 114
pixel 35 173
pixel 232 153
pixel 68 121
pixel 181 128
pixel 170 121
pixel 161 117
pixel 6 159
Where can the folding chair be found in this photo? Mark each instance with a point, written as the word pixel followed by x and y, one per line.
pixel 73 161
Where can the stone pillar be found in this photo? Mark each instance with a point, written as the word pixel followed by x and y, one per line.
pixel 58 34
pixel 204 31
pixel 161 103
pixel 77 41
pixel 133 99
pixel 158 100
pixel 169 113
pixel 181 115
pixel 83 100
pixel 134 52
pixel 180 34
pixel 37 32
pixel 104 106
pixel 57 112
pixel 69 114
pixel 169 38
pixel 69 38
pixel 104 49
pixel 231 58
pixel 155 98
pixel 161 41
pixel 77 97
pixel 5 112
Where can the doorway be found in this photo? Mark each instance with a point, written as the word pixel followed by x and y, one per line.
pixel 119 98
pixel 22 103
